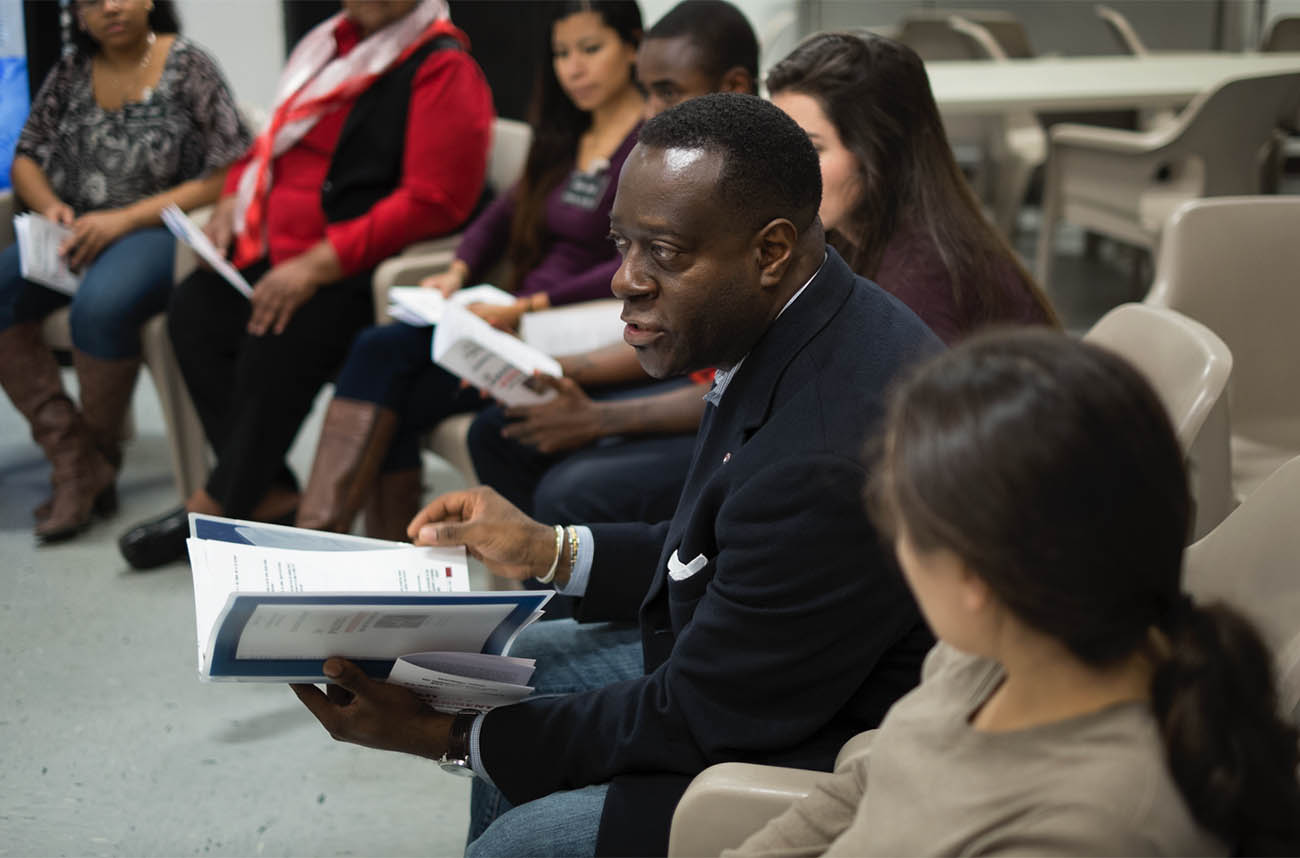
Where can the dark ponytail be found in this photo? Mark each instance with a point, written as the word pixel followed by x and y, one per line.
pixel 1233 758
pixel 1079 531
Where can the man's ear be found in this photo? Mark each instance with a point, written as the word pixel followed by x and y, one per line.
pixel 775 246
pixel 737 79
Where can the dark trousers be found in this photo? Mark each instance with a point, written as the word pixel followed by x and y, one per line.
pixel 616 479
pixel 252 393
pixel 392 365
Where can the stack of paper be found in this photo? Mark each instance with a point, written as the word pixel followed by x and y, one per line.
pixel 421 307
pixel 271 603
pixel 38 240
pixel 491 360
pixel 187 231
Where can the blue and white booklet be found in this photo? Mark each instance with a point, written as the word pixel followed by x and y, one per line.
pixel 271 603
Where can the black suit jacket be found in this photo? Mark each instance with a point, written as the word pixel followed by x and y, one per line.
pixel 796 634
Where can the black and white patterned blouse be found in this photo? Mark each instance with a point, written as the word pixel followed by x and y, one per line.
pixel 94 158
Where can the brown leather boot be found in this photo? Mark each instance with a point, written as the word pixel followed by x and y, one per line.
pixel 107 385
pixel 352 444
pixel 394 501
pixel 80 473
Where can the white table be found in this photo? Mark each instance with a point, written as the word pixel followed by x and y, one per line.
pixel 1090 83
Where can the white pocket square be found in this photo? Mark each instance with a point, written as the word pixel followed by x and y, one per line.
pixel 679 571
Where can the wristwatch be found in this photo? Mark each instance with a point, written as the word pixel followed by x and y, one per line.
pixel 455 760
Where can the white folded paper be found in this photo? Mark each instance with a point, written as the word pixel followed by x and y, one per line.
pixel 491 360
pixel 187 231
pixel 419 307
pixel 39 261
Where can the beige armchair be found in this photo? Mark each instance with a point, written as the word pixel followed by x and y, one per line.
pixel 1189 367
pixel 1232 263
pixel 1250 561
pixel 1125 184
pixel 730 801
pixel 1122 30
pixel 510 142
pixel 1283 34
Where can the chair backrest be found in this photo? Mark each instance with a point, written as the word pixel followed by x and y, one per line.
pixel 1233 264
pixel 1122 30
pixel 1252 562
pixel 1283 34
pixel 1189 367
pixel 932 35
pixel 1186 363
pixel 1230 128
pixel 510 141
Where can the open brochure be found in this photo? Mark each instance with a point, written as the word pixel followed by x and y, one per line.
pixel 38 239
pixel 271 603
pixel 420 307
pixel 187 231
pixel 491 360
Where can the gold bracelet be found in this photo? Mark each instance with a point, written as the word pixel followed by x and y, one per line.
pixel 555 564
pixel 573 548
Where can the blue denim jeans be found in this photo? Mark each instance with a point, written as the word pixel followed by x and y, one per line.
pixel 128 282
pixel 571 658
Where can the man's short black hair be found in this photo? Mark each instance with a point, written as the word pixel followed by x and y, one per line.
pixel 720 31
pixel 770 169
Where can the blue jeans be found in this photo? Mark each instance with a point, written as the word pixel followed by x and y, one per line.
pixel 129 282
pixel 571 658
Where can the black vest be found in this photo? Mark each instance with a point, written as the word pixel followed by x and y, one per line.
pixel 367 161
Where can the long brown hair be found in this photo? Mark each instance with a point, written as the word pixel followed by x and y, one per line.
pixel 876 93
pixel 557 124
pixel 1079 529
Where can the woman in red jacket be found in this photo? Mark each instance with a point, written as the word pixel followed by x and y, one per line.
pixel 379 138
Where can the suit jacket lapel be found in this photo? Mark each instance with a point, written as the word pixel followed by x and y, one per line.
pixel 749 397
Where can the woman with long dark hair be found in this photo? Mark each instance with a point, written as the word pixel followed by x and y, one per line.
pixel 895 204
pixel 551 227
pixel 135 119
pixel 1079 702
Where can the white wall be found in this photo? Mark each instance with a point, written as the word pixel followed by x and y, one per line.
pixel 247 39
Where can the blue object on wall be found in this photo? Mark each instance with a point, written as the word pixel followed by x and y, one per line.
pixel 14 103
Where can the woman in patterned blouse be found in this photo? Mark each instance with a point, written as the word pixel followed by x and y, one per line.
pixel 135 119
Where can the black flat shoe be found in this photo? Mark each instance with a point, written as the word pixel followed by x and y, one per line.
pixel 158 541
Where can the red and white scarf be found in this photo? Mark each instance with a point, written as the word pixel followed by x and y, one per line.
pixel 315 81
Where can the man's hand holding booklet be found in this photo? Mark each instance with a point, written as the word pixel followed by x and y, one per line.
pixel 271 603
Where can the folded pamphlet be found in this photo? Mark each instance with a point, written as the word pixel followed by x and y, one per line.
pixel 493 361
pixel 38 239
pixel 187 231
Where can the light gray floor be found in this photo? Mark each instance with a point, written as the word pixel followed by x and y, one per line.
pixel 111 745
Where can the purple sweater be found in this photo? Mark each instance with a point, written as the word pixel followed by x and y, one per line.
pixel 912 271
pixel 579 260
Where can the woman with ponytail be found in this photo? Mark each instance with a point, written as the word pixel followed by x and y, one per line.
pixel 1078 701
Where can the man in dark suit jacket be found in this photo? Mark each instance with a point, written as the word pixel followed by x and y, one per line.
pixel 773 623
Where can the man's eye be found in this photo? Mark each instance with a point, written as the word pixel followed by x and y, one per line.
pixel 620 243
pixel 663 253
